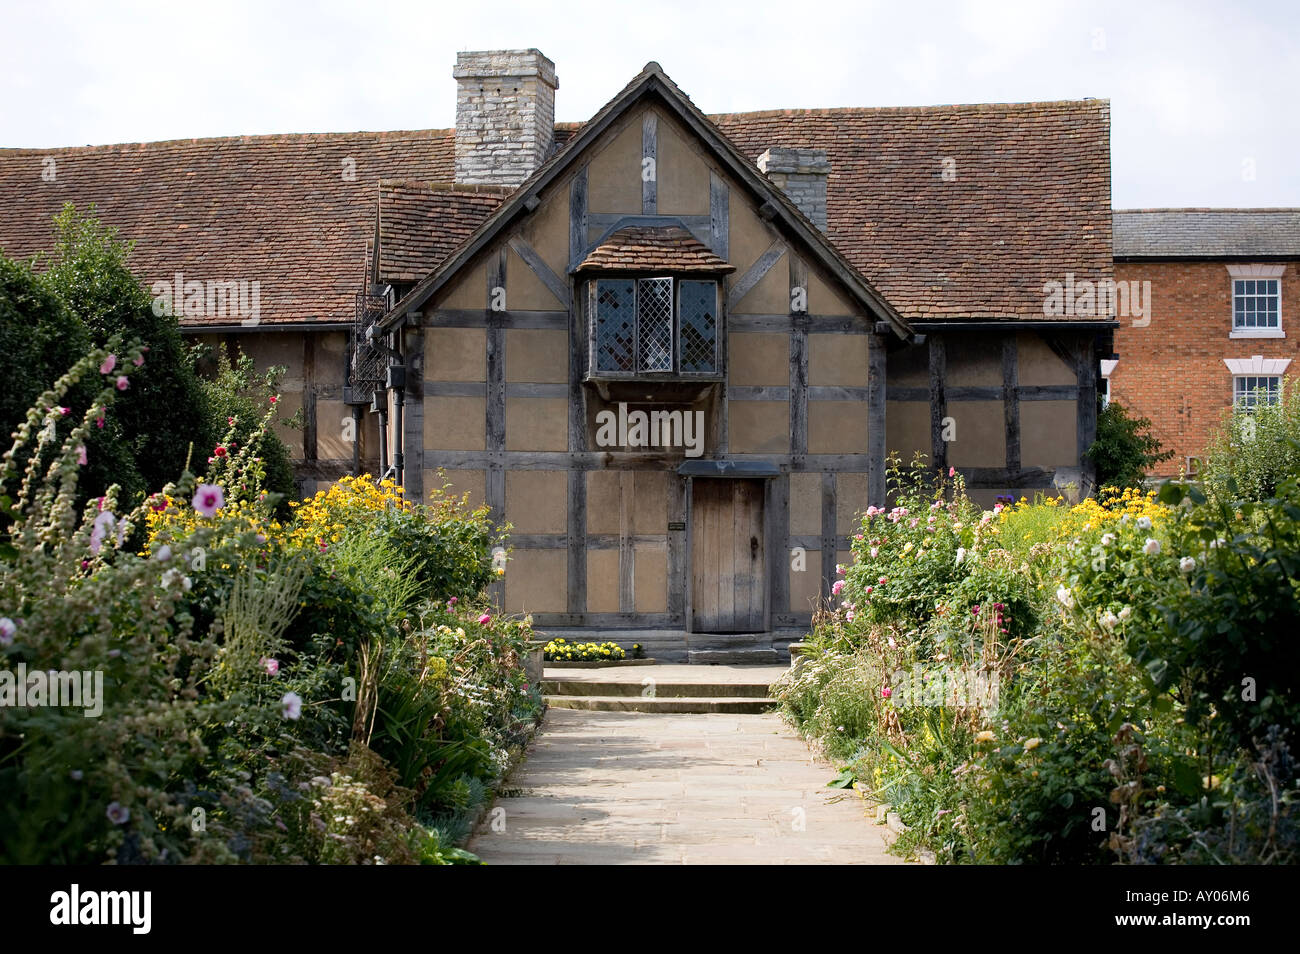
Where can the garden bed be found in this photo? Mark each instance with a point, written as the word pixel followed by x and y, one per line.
pixel 598 664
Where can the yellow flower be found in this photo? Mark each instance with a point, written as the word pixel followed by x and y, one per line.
pixel 1031 744
pixel 985 736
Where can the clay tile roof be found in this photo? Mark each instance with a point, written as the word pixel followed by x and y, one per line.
pixel 420 223
pixel 292 212
pixel 1026 198
pixel 1025 201
pixel 1206 233
pixel 652 249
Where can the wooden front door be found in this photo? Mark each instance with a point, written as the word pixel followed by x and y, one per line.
pixel 728 565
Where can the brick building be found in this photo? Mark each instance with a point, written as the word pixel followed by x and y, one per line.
pixel 1223 322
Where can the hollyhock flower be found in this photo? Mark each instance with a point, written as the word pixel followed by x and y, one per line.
pixel 109 364
pixel 118 813
pixel 65 411
pixel 839 585
pixel 291 705
pixel 839 569
pixel 1151 547
pixel 219 451
pixel 102 527
pixel 272 666
pixel 122 382
pixel 1187 564
pixel 208 499
pixel 485 619
pixel 886 692
pixel 99 422
pixel 274 398
pixel 163 553
pixel 7 630
pixel 82 459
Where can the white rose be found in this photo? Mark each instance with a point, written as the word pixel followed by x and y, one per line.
pixel 1151 547
pixel 1144 523
pixel 1187 564
pixel 1125 613
pixel 1064 596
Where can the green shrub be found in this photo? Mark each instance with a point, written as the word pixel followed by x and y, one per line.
pixel 1254 450
pixel 1123 452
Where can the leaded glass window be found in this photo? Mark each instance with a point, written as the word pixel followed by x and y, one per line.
pixel 654 325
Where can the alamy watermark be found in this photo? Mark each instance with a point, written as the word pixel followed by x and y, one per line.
pixel 945 686
pixel 636 429
pixel 213 298
pixel 1104 298
pixel 53 687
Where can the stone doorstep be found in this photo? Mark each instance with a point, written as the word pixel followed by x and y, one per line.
pixel 680 704
pixel 573 687
pixel 733 657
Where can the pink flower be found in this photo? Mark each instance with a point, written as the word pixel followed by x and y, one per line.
pixel 273 398
pixel 839 585
pixel 99 421
pixel 208 499
pixel 886 692
pixel 81 455
pixel 272 666
pixel 869 589
pixel 485 619
pixel 975 610
pixel 952 471
pixel 65 411
pixel 219 451
pixel 138 360
pixel 875 552
pixel 7 630
pixel 109 364
pixel 102 527
pixel 122 382
pixel 118 813
pixel 883 580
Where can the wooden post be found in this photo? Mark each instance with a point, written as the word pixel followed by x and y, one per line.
pixel 876 434
pixel 938 402
pixel 1011 400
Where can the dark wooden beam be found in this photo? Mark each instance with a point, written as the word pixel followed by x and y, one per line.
pixel 650 150
pixel 557 286
pixel 754 274
pixel 719 216
pixel 828 539
pixel 876 425
pixel 1011 400
pixel 938 402
pixel 578 231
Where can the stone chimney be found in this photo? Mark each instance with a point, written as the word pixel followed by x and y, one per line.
pixel 801 174
pixel 505 115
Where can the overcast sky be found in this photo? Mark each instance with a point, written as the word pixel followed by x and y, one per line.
pixel 1203 95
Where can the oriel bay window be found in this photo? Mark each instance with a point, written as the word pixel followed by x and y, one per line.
pixel 654 325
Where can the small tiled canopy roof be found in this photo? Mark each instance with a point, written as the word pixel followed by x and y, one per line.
pixel 654 249
pixel 420 223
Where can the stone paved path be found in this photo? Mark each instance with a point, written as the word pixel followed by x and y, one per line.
pixel 637 788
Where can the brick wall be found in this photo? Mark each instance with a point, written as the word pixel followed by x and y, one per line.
pixel 1172 370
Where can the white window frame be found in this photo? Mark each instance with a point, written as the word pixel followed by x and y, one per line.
pixel 1243 399
pixel 1107 369
pixel 1238 273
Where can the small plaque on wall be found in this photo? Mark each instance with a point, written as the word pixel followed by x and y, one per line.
pixel 676 525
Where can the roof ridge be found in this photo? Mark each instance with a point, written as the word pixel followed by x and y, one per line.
pixel 268 138
pixel 1199 209
pixel 952 107
pixel 446 185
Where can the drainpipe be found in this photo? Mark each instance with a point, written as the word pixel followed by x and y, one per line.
pixel 397 383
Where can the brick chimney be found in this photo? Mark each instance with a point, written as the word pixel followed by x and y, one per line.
pixel 801 174
pixel 505 115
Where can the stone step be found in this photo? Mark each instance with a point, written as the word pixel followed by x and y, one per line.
pixel 728 641
pixel 683 704
pixel 675 690
pixel 733 657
